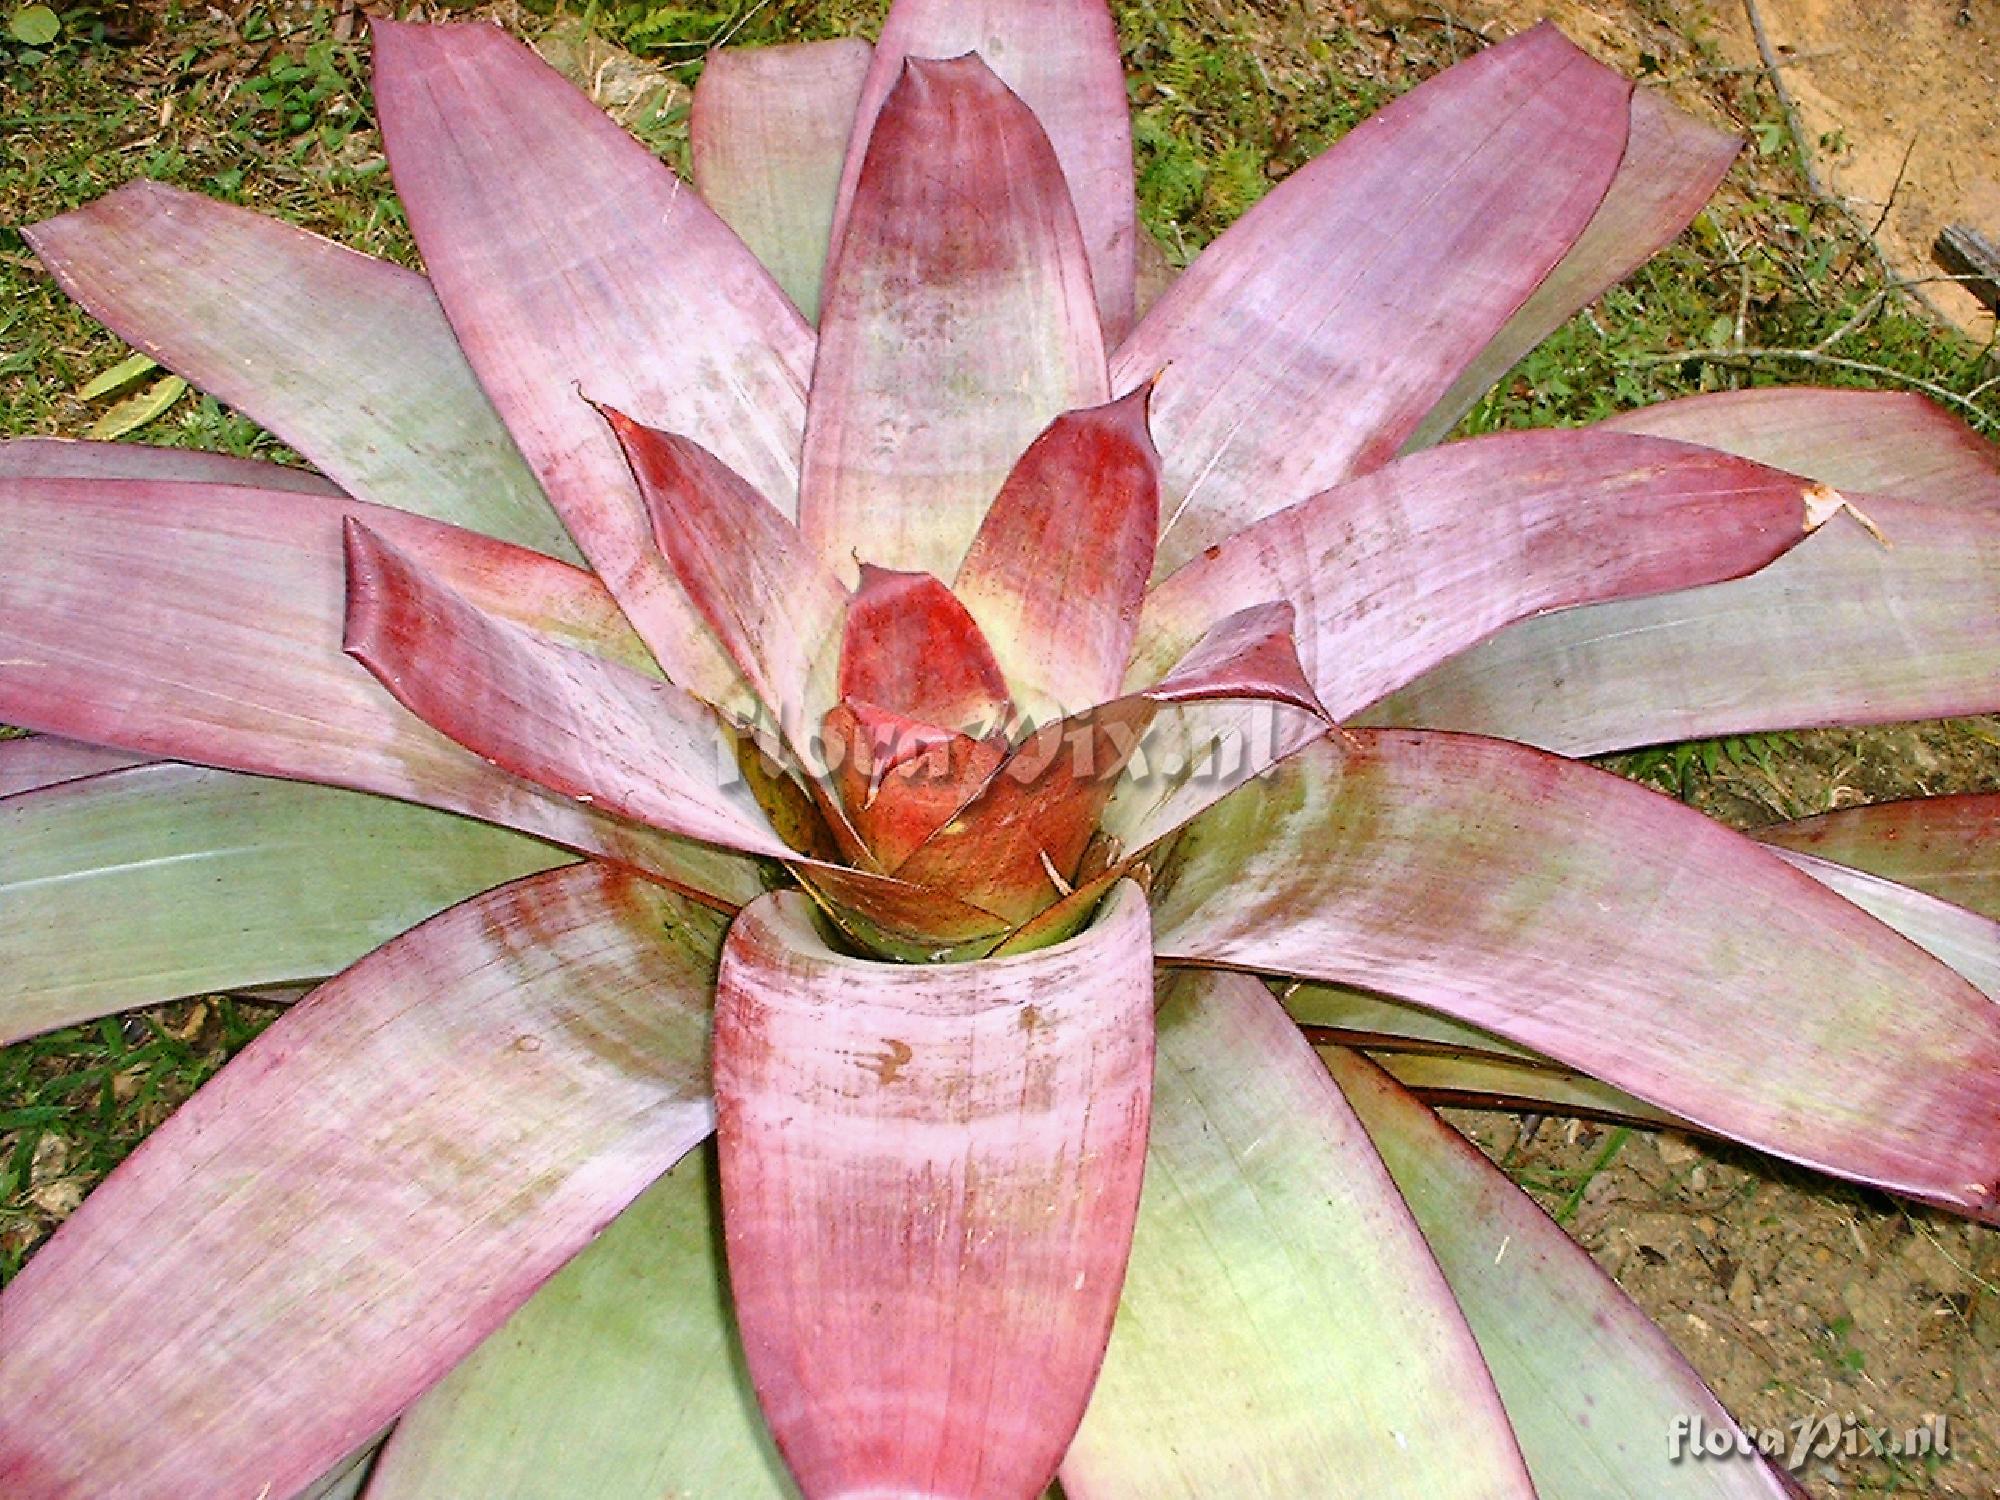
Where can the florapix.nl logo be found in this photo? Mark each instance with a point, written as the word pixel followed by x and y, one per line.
pixel 1796 1443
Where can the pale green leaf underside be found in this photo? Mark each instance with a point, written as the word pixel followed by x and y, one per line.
pixel 620 1380
pixel 1592 1388
pixel 347 358
pixel 165 880
pixel 1282 1331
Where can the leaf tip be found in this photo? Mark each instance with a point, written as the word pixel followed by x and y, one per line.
pixel 1823 502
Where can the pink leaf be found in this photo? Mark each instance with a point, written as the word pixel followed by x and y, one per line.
pixel 1613 930
pixel 1307 342
pixel 203 623
pixel 1061 57
pixel 1869 442
pixel 1673 164
pixel 958 323
pixel 1847 628
pixel 767 134
pixel 361 1196
pixel 570 260
pixel 1250 654
pixel 929 1175
pixel 583 727
pixel 1059 567
pixel 345 357
pixel 1946 846
pixel 770 601
pixel 49 760
pixel 1395 572
pixel 71 458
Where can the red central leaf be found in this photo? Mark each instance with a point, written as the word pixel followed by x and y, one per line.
pixel 1017 846
pixel 769 600
pixel 1014 849
pixel 929 1179
pixel 1058 570
pixel 901 780
pixel 912 648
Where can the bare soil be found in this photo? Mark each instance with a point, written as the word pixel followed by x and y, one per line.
pixel 1898 101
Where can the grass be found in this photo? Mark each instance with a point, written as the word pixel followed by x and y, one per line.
pixel 272 111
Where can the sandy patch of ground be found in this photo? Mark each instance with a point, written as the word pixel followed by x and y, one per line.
pixel 1898 100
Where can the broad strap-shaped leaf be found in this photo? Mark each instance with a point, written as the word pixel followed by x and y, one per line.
pixel 1948 847
pixel 1864 442
pixel 164 880
pixel 1841 630
pixel 581 726
pixel 767 596
pixel 1967 941
pixel 1061 57
pixel 35 761
pixel 75 458
pixel 1409 565
pixel 1672 165
pixel 909 646
pixel 1283 1330
pixel 361 1196
pixel 767 134
pixel 619 1380
pixel 1593 1389
pixel 573 263
pixel 958 323
pixel 203 623
pixel 1609 928
pixel 345 357
pixel 1305 345
pixel 929 1175
pixel 1477 1067
pixel 1058 569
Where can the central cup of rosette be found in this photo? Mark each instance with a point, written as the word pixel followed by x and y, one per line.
pixel 930 1175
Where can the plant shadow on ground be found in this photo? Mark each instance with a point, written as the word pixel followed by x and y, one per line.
pixel 1795 1296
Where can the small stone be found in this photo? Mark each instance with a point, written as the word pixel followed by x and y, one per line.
pixel 1742 1290
pixel 1675 1149
pixel 58 1199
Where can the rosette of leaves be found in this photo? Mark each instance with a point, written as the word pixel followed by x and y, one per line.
pixel 810 659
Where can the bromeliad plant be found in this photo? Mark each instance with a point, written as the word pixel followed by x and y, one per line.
pixel 963 697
